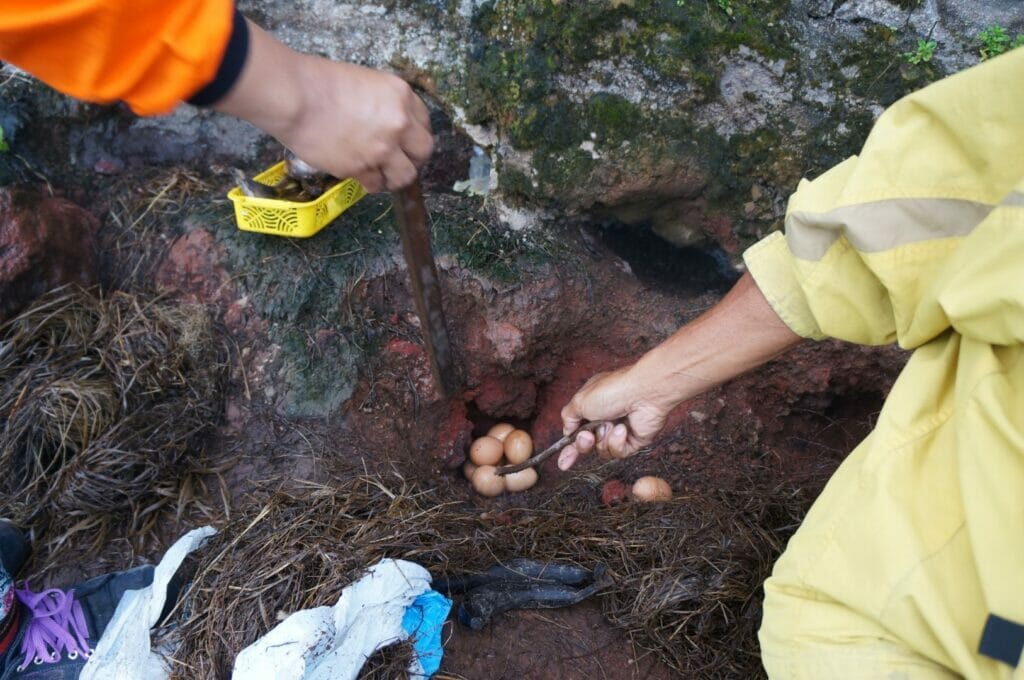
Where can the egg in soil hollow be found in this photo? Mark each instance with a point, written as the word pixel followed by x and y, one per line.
pixel 518 446
pixel 500 431
pixel 651 489
pixel 487 483
pixel 522 480
pixel 486 451
pixel 468 468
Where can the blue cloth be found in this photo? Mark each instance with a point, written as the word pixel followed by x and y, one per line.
pixel 423 621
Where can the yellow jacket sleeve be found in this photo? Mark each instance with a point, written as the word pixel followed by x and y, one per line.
pixel 869 245
pixel 149 53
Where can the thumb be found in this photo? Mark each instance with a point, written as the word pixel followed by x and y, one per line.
pixel 572 416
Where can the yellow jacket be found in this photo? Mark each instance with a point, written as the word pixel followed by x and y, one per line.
pixel 920 241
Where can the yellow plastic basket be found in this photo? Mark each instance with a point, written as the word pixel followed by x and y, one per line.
pixel 288 218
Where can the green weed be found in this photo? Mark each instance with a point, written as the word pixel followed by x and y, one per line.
pixel 995 40
pixel 923 53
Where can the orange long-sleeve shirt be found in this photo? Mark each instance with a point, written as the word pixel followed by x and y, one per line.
pixel 150 54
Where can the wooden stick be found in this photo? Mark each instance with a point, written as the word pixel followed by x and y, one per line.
pixel 548 452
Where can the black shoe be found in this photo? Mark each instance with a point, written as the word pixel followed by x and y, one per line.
pixel 59 629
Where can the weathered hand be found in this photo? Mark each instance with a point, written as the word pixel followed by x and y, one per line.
pixel 362 123
pixel 612 396
pixel 344 119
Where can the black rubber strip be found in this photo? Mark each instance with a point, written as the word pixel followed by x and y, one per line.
pixel 1002 640
pixel 230 66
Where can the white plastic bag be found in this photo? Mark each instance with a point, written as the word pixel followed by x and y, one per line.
pixel 124 652
pixel 334 642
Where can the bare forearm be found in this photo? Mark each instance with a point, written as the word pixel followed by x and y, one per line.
pixel 341 118
pixel 269 92
pixel 738 334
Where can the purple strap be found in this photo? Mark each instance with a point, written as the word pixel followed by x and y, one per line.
pixel 57 625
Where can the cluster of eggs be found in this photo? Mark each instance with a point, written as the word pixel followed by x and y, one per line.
pixel 503 441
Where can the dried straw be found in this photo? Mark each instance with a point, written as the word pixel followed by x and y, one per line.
pixel 687 573
pixel 104 402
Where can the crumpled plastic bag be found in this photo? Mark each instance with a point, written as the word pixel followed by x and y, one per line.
pixel 333 643
pixel 483 177
pixel 424 620
pixel 124 651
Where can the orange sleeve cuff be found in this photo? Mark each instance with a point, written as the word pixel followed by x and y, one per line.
pixel 150 54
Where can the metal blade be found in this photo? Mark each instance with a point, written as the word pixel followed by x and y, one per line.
pixel 426 289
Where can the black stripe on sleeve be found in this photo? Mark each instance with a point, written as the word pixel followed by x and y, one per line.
pixel 230 66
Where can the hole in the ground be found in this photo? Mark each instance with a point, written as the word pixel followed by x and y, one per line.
pixel 483 421
pixel 662 265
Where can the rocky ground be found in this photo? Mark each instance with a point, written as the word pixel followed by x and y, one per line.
pixel 606 122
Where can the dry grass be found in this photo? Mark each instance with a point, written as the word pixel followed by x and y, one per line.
pixel 105 402
pixel 144 214
pixel 687 573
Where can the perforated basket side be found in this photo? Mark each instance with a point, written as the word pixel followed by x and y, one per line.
pixel 283 221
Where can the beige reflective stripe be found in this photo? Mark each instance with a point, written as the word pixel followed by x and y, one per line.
pixel 1016 199
pixel 882 225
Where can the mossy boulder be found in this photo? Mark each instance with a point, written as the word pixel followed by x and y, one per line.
pixel 681 115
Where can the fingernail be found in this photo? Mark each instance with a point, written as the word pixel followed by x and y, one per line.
pixel 620 430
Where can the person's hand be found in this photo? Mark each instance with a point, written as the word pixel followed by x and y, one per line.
pixel 614 396
pixel 362 123
pixel 344 119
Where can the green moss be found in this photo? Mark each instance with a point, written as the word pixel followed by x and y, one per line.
pixel 879 72
pixel 611 117
pixel 523 45
pixel 558 173
pixel 514 182
pixel 465 230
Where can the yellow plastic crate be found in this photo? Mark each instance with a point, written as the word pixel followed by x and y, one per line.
pixel 288 218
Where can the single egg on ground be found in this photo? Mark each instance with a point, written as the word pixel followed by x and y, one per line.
pixel 487 483
pixel 468 468
pixel 522 480
pixel 652 489
pixel 518 446
pixel 500 431
pixel 485 451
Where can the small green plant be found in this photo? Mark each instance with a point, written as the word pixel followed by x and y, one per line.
pixel 995 40
pixel 725 6
pixel 923 54
pixel 4 146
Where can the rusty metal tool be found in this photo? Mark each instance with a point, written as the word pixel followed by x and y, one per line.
pixel 548 452
pixel 411 221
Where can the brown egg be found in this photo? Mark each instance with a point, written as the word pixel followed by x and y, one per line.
pixel 500 431
pixel 468 468
pixel 487 483
pixel 518 446
pixel 521 481
pixel 652 490
pixel 485 451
